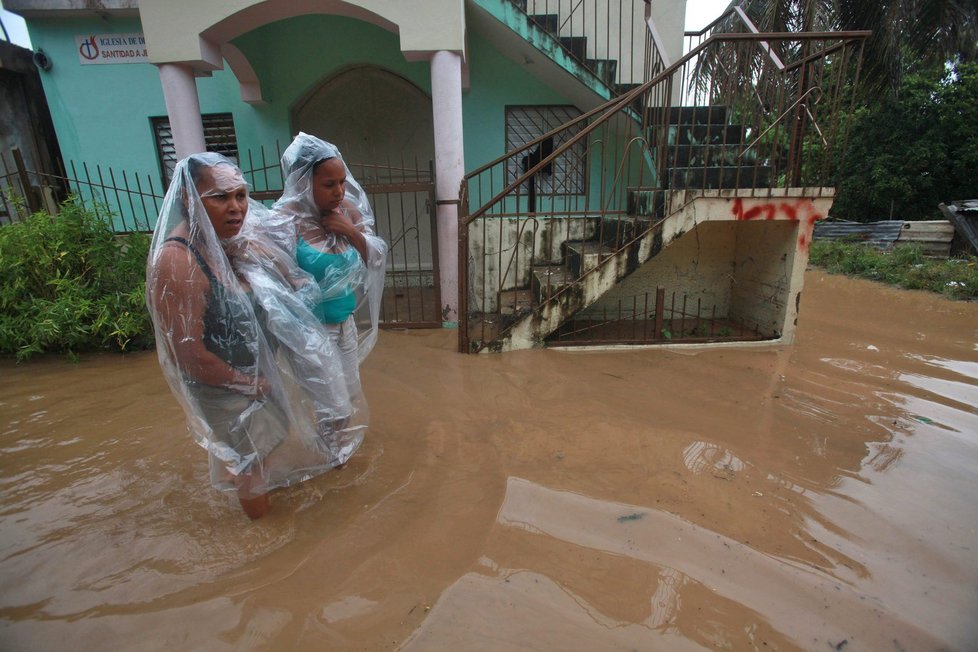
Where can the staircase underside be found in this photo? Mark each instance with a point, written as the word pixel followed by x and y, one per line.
pixel 753 241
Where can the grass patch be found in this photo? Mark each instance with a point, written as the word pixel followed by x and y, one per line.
pixel 904 266
pixel 68 284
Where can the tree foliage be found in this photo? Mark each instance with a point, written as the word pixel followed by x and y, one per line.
pixel 907 35
pixel 913 150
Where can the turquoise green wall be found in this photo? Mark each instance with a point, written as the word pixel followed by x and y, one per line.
pixel 495 82
pixel 101 112
pixel 318 48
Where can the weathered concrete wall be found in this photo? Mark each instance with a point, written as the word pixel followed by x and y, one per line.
pixel 502 252
pixel 25 122
pixel 697 264
pixel 731 254
pixel 762 274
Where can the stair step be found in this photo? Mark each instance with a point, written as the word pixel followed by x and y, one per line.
pixel 576 45
pixel 706 134
pixel 549 23
pixel 513 302
pixel 714 114
pixel 616 231
pixel 621 89
pixel 605 69
pixel 747 176
pixel 545 281
pixel 583 256
pixel 688 156
pixel 646 202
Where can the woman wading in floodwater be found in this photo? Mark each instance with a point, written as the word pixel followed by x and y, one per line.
pixel 324 219
pixel 236 337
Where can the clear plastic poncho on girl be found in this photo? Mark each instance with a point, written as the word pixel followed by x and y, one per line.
pixel 298 219
pixel 233 325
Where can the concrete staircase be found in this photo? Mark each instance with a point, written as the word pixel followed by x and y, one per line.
pixel 605 70
pixel 701 151
pixel 588 269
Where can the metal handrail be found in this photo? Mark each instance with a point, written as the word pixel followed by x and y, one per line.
pixel 806 88
pixel 794 105
pixel 605 42
pixel 610 107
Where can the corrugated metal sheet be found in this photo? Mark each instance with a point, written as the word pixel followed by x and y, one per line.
pixel 933 236
pixel 878 234
pixel 963 214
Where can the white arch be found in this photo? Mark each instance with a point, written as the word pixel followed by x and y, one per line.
pixel 193 32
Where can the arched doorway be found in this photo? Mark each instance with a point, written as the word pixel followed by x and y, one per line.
pixel 383 125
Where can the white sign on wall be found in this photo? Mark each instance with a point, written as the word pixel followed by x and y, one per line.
pixel 111 48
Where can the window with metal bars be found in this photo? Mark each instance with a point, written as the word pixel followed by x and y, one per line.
pixel 218 137
pixel 524 124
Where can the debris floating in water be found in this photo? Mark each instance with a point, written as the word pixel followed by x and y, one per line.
pixel 630 517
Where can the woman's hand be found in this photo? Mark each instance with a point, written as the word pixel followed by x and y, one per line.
pixel 256 388
pixel 262 387
pixel 340 223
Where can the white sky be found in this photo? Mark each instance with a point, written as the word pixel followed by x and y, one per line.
pixel 16 29
pixel 699 13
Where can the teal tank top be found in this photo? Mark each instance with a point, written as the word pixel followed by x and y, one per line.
pixel 341 301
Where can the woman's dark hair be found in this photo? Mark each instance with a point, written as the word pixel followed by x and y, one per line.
pixel 310 154
pixel 320 162
pixel 195 167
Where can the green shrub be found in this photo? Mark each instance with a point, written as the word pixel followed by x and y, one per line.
pixel 68 284
pixel 904 266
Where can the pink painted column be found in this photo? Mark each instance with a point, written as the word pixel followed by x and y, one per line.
pixel 446 104
pixel 183 108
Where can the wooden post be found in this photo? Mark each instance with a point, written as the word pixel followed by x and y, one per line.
pixel 25 182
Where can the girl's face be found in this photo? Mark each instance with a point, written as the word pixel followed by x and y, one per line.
pixel 225 197
pixel 329 185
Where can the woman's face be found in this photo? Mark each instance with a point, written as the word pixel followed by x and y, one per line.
pixel 329 184
pixel 224 194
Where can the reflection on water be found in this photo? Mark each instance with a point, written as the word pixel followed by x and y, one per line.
pixel 822 495
pixel 700 457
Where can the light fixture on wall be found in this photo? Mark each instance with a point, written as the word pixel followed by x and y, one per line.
pixel 42 60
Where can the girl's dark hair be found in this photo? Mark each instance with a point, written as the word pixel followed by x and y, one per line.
pixel 310 153
pixel 321 161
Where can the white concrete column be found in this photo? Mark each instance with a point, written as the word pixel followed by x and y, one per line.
pixel 183 108
pixel 446 103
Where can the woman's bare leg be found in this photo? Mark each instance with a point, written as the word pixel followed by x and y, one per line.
pixel 254 505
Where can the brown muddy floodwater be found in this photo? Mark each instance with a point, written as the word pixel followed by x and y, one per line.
pixel 821 496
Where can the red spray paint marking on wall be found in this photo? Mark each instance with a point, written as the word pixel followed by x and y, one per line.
pixel 798 210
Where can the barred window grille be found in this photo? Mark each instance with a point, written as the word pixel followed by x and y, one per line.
pixel 218 137
pixel 525 124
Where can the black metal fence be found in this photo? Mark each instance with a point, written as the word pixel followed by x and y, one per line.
pixel 401 194
pixel 129 202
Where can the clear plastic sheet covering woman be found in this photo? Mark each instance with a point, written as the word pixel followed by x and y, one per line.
pixel 301 209
pixel 324 220
pixel 237 340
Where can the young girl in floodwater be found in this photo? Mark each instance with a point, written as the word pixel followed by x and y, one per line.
pixel 324 218
pixel 231 316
